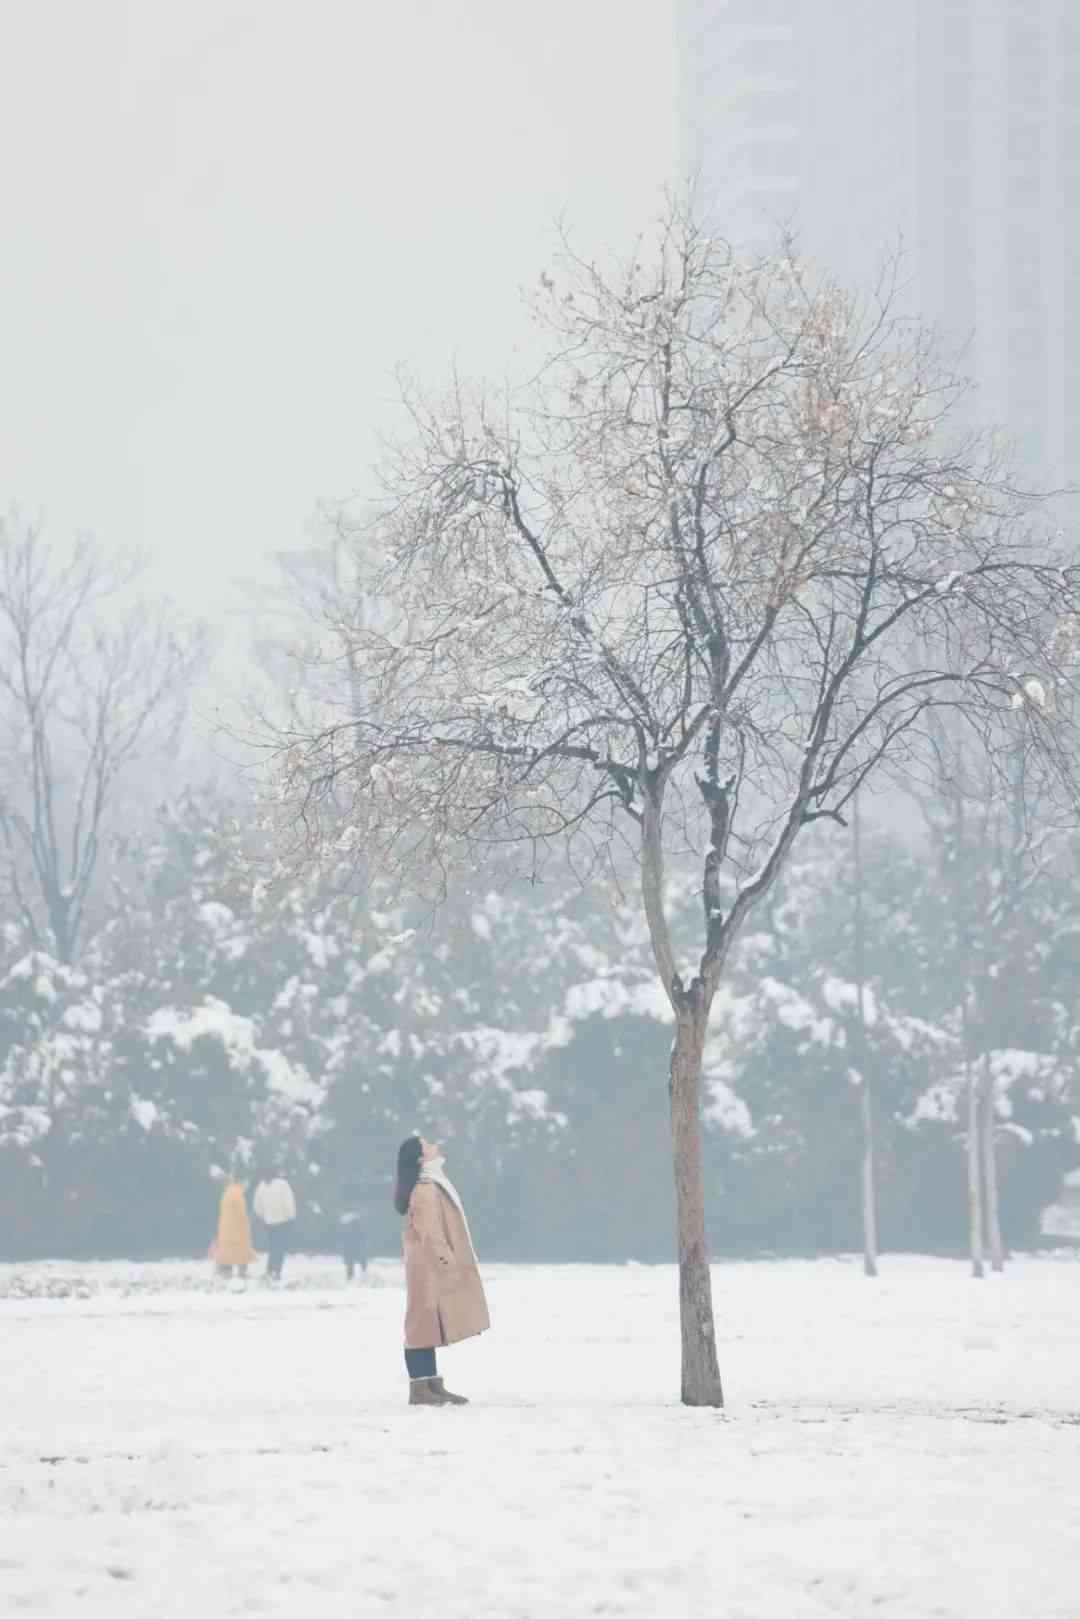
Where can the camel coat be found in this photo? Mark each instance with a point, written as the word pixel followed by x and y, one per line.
pixel 444 1294
pixel 232 1245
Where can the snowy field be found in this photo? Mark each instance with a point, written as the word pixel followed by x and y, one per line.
pixel 909 1447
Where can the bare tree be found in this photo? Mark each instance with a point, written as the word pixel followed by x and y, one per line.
pixel 975 1102
pixel 1025 837
pixel 90 682
pixel 988 1162
pixel 663 601
pixel 995 834
pixel 867 1169
pixel 948 814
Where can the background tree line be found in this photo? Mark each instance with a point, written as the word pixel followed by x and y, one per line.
pixel 833 587
pixel 209 1019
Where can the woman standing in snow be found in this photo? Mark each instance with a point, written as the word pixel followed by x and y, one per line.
pixel 444 1294
pixel 232 1245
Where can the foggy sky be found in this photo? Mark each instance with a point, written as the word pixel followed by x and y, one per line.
pixel 225 221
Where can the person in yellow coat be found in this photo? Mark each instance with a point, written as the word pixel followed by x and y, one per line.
pixel 232 1245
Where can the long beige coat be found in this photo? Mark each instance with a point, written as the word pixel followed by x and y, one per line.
pixel 444 1294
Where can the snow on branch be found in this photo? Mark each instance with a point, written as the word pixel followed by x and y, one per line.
pixel 732 555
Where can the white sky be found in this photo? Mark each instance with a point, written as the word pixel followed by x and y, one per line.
pixel 224 222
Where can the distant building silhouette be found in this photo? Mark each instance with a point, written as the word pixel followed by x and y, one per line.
pixel 954 123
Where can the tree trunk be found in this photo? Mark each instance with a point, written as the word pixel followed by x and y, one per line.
pixel 968 1012
pixel 988 1153
pixel 974 1178
pixel 700 1369
pixel 869 1191
pixel 866 1100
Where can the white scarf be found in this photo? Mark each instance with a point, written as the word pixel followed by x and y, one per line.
pixel 433 1172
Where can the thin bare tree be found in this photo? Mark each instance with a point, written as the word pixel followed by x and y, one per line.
pixel 975 1102
pixel 1025 840
pixel 868 1162
pixel 949 814
pixel 663 601
pixel 995 835
pixel 91 680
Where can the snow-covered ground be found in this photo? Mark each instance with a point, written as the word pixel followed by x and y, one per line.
pixel 907 1447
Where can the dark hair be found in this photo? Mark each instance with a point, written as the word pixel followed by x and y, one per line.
pixel 408 1172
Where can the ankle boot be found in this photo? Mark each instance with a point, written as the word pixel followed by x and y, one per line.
pixel 422 1392
pixel 440 1388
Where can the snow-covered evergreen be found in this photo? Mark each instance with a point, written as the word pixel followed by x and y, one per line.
pixel 214 1015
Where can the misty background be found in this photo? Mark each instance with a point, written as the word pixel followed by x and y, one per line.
pixel 224 228
pixel 226 225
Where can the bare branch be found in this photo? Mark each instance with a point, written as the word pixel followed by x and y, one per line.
pixel 717 567
pixel 87 682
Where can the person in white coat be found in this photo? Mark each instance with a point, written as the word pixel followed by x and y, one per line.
pixel 275 1206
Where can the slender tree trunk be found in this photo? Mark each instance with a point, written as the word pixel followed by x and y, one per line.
pixel 973 1153
pixel 974 1176
pixel 869 1189
pixel 700 1369
pixel 868 1174
pixel 1011 859
pixel 988 1154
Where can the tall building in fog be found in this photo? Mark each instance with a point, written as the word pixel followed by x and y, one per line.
pixel 952 124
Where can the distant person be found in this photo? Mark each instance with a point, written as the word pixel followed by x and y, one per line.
pixel 352 1223
pixel 275 1206
pixel 231 1248
pixel 444 1294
